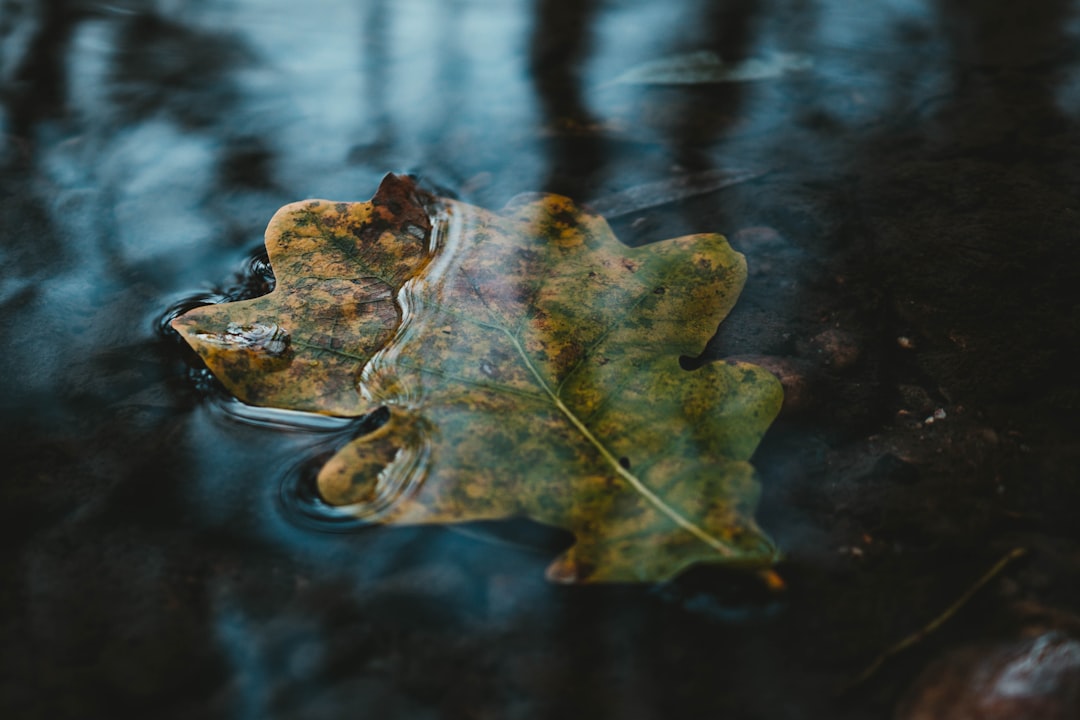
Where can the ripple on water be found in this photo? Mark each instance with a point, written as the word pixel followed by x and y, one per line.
pixel 387 483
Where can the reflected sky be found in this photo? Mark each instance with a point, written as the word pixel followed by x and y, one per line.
pixel 335 94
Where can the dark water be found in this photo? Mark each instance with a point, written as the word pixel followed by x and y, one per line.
pixel 919 181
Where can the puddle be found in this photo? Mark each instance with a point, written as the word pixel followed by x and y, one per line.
pixel 913 179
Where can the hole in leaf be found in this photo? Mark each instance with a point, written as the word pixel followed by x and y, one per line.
pixel 690 363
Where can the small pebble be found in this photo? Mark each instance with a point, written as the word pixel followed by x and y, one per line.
pixel 837 348
pixel 915 398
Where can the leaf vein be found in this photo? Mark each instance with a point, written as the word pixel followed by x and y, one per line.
pixel 716 544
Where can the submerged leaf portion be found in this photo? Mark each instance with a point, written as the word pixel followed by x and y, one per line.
pixel 530 365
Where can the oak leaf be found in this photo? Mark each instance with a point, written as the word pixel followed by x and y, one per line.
pixel 523 363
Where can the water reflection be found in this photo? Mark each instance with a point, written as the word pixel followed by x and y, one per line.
pixel 560 49
pixel 144 146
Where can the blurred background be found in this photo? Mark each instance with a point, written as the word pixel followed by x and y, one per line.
pixel 905 175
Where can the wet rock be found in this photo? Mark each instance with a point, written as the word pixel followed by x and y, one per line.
pixel 1031 679
pixel 915 399
pixel 837 349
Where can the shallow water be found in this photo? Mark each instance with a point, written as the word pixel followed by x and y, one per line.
pixel 162 552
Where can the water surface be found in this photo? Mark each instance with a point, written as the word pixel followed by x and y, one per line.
pixel 917 180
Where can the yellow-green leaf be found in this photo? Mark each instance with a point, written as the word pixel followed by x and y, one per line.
pixel 528 364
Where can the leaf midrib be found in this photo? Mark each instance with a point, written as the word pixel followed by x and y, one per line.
pixel 657 502
pixel 553 396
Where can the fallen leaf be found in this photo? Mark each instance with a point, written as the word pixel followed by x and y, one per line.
pixel 705 67
pixel 522 363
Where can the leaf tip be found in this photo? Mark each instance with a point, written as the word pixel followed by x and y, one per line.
pixel 398 188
